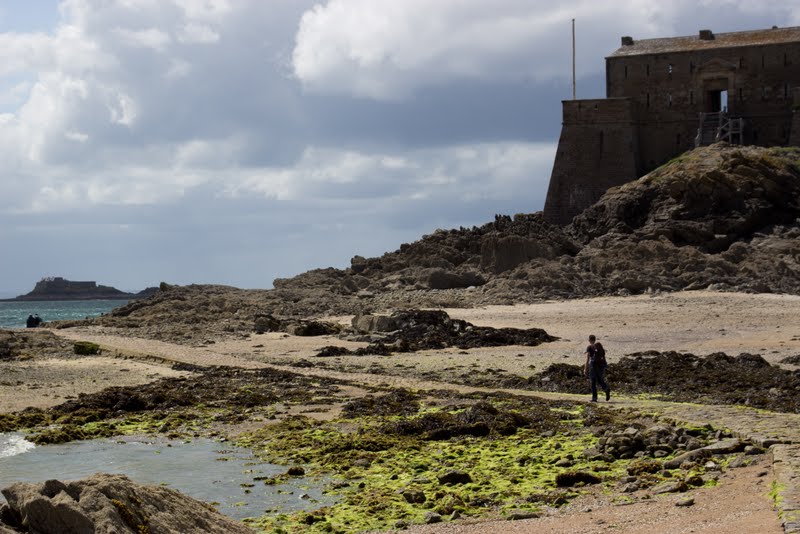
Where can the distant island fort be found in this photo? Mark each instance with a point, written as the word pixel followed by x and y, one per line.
pixel 57 288
pixel 666 96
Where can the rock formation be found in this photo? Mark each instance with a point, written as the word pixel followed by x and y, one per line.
pixel 57 288
pixel 106 504
pixel 720 217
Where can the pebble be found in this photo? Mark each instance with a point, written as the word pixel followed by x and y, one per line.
pixel 688 501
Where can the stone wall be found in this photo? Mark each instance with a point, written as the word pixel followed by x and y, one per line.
pixel 597 150
pixel 671 90
pixel 794 139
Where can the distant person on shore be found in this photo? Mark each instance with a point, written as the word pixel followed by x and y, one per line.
pixel 595 367
pixel 37 321
pixel 31 322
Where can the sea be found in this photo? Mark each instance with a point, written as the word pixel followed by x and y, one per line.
pixel 14 314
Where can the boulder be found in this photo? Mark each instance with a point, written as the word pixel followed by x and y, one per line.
pixel 108 504
pixel 725 446
pixel 670 487
pixel 442 279
pixel 431 518
pixel 266 323
pixel 454 476
pixel 688 456
pixel 368 323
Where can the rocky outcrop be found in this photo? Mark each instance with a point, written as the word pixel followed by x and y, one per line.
pixel 415 330
pixel 721 217
pixel 724 217
pixel 57 288
pixel 106 504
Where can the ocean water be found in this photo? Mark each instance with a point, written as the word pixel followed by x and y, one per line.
pixel 14 314
pixel 203 469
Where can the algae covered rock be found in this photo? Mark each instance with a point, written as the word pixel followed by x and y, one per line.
pixel 86 348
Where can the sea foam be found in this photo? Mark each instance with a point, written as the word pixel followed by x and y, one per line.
pixel 14 444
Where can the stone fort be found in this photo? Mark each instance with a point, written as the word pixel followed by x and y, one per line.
pixel 666 96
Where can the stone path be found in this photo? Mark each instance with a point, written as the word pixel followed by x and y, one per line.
pixel 777 431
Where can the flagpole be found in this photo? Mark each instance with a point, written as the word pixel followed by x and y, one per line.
pixel 573 60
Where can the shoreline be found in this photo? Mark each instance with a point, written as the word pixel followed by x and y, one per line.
pixel 703 322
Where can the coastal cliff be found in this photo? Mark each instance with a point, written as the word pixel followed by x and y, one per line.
pixel 58 288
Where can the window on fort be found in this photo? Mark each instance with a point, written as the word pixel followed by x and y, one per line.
pixel 785 60
pixel 669 100
pixel 691 66
pixel 626 72
pixel 691 97
pixel 648 100
pixel 648 69
pixel 741 62
pixel 678 139
pixel 786 90
pixel 762 62
pixel 740 94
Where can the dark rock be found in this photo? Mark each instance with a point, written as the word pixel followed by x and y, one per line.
pixel 454 476
pixel 571 478
pixel 725 446
pixel 518 515
pixel 630 488
pixel 414 496
pixel 670 487
pixel 266 323
pixel 639 467
pixel 442 279
pixel 296 471
pixel 688 456
pixel 431 518
pixel 695 480
pixel 373 323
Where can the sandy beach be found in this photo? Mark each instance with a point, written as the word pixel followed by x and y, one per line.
pixel 697 322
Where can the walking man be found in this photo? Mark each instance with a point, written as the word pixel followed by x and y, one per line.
pixel 595 368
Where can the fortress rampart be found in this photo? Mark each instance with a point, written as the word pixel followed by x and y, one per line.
pixel 666 96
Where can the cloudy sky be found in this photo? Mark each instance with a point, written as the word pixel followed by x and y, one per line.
pixel 236 141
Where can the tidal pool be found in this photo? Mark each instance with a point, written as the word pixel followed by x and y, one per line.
pixel 206 470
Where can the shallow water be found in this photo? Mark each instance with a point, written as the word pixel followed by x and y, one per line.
pixel 14 314
pixel 203 469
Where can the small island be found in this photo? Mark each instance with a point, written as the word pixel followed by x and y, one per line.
pixel 58 288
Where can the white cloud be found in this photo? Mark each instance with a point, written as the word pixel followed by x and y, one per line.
pixel 197 33
pixel 149 38
pixel 80 137
pixel 488 170
pixel 386 50
pixel 122 109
